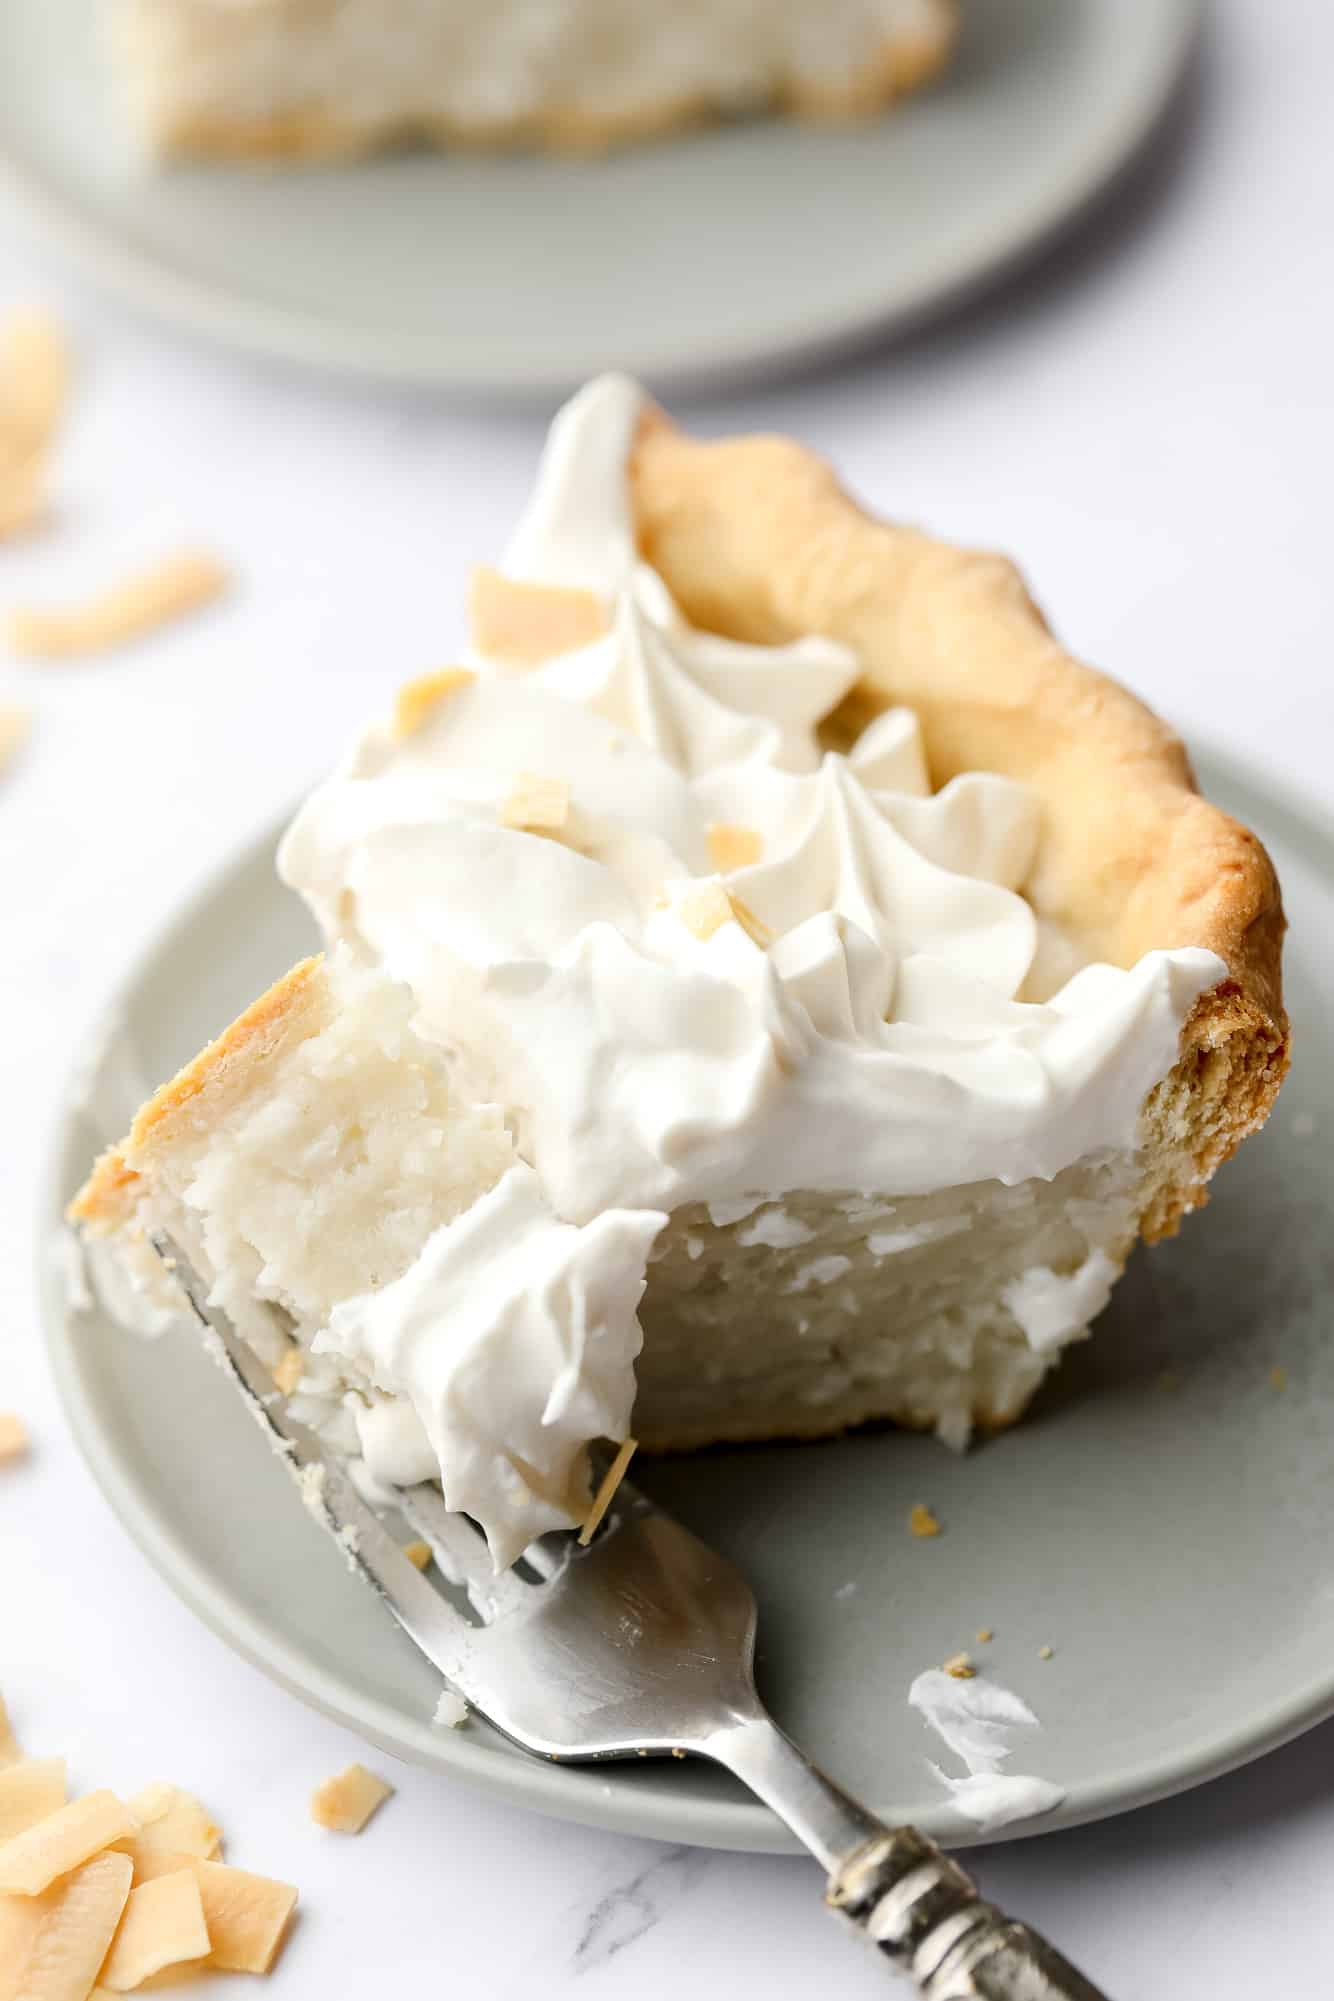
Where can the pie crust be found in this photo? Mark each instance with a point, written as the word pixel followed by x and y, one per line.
pixel 756 540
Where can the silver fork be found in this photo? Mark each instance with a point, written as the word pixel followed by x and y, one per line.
pixel 643 1644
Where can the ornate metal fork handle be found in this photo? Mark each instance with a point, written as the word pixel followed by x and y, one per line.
pixel 916 1906
pixel 923 1912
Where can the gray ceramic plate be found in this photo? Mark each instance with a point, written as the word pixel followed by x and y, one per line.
pixel 701 258
pixel 1172 1544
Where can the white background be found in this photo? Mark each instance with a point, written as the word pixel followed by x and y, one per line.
pixel 1146 421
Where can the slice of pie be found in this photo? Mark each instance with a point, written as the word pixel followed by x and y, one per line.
pixel 768 941
pixel 317 78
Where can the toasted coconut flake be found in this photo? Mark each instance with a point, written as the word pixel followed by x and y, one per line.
pixel 15 723
pixel 247 1916
pixel 30 1790
pixel 22 495
pixel 9 1743
pixel 705 909
pixel 34 381
pixel 606 1492
pixel 417 699
pixel 34 372
pixel 734 847
pixel 526 623
pixel 921 1521
pixel 21 1921
pixel 70 1929
pixel 754 927
pixel 346 1802
pixel 126 611
pixel 61 1842
pixel 163 1925
pixel 418 1553
pixel 13 1436
pixel 288 1370
pixel 537 805
pixel 171 1822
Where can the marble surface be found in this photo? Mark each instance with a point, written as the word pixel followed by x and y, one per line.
pixel 1146 420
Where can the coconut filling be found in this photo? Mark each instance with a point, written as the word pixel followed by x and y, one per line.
pixel 940 1311
pixel 449 1325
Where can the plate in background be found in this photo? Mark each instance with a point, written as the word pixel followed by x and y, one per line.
pixel 696 259
pixel 1170 1541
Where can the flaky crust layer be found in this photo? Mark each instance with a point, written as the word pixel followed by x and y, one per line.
pixel 293 1008
pixel 756 540
pixel 315 132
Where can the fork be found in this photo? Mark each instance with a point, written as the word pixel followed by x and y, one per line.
pixel 642 1644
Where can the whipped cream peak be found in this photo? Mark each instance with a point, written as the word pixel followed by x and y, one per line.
pixel 698 699
pixel 576 531
pixel 701 701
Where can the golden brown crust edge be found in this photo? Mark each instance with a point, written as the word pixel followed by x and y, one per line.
pixel 292 1008
pixel 756 539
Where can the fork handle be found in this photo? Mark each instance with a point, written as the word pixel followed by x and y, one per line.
pixel 923 1912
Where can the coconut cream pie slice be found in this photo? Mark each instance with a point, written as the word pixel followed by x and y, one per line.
pixel 769 948
pixel 311 78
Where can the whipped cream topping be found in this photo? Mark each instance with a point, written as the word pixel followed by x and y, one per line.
pixel 509 1326
pixel 839 1007
pixel 866 1033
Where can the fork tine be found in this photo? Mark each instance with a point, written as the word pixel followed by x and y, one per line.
pixel 549 1554
pixel 425 1614
pixel 460 1551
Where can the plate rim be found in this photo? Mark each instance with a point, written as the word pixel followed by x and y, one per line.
pixel 1168 32
pixel 570 1793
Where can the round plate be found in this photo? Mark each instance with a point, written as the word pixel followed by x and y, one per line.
pixel 1161 1519
pixel 695 258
